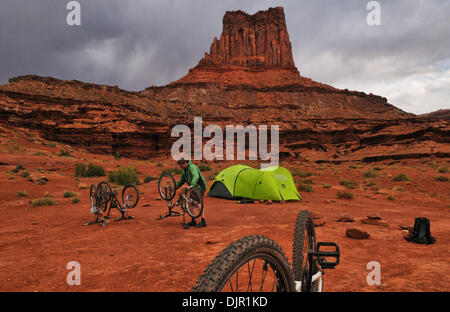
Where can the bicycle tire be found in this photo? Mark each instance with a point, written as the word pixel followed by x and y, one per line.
pixel 163 196
pixel 219 272
pixel 195 195
pixel 303 223
pixel 133 187
pixel 93 195
pixel 104 195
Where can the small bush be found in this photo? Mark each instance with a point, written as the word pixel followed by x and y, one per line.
pixel 302 174
pixel 117 156
pixel 65 153
pixel 204 167
pixel 47 201
pixel 18 167
pixel 68 194
pixel 124 175
pixel 159 165
pixel 24 174
pixel 377 168
pixel 171 171
pixel 390 197
pixel 401 178
pixel 441 178
pixel 149 179
pixel 305 187
pixel 326 186
pixel 51 144
pixel 75 200
pixel 370 174
pixel 443 169
pixel 22 193
pixel 350 184
pixel 345 195
pixel 11 178
pixel 91 170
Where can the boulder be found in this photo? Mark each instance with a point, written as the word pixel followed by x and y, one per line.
pixel 345 218
pixel 374 222
pixel 356 233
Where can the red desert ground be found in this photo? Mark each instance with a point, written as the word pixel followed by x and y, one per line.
pixel 394 164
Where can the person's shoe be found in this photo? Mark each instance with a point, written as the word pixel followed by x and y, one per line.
pixel 192 223
pixel 201 224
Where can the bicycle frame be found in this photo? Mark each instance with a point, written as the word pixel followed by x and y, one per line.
pixel 115 203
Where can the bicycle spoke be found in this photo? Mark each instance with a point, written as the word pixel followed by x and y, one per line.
pixel 263 276
pixel 250 274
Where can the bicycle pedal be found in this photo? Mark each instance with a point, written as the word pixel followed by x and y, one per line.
pixel 322 255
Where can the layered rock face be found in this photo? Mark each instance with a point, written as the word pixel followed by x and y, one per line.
pixel 248 77
pixel 259 40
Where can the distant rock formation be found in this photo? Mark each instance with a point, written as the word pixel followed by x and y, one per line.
pixel 259 40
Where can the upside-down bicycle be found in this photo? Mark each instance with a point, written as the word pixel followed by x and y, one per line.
pixel 257 263
pixel 191 201
pixel 102 195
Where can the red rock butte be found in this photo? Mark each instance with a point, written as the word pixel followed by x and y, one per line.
pixel 252 50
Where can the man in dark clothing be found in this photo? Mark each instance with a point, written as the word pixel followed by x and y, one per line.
pixel 192 175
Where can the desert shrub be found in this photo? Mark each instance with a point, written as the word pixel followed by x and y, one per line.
pixel 441 178
pixel 305 187
pixel 171 171
pixel 345 195
pixel 22 193
pixel 401 178
pixel 390 197
pixel 303 174
pixel 51 144
pixel 443 169
pixel 326 186
pixel 91 170
pixel 211 177
pixel 350 184
pixel 68 194
pixel 64 153
pixel 149 179
pixel 18 167
pixel 46 201
pixel 204 167
pixel 117 156
pixel 370 174
pixel 159 165
pixel 400 189
pixel 377 168
pixel 124 175
pixel 75 200
pixel 24 174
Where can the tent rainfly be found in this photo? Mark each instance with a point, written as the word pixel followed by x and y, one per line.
pixel 240 181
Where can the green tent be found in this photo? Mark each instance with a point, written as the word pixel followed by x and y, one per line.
pixel 240 181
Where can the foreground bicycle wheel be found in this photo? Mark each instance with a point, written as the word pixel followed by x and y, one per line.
pixel 130 196
pixel 252 263
pixel 194 203
pixel 166 187
pixel 304 240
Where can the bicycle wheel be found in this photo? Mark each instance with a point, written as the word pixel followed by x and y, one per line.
pixel 166 186
pixel 304 239
pixel 194 203
pixel 252 263
pixel 130 196
pixel 104 194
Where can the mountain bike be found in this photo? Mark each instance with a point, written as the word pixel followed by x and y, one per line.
pixel 103 199
pixel 190 202
pixel 257 263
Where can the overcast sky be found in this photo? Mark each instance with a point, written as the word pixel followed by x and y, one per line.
pixel 135 44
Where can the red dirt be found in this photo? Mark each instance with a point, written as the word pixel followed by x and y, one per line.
pixel 143 254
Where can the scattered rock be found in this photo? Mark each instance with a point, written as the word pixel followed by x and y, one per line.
pixel 319 222
pixel 261 201
pixel 34 223
pixel 374 222
pixel 403 226
pixel 146 205
pixel 374 216
pixel 343 217
pixel 158 198
pixel 317 215
pixel 356 233
pixel 211 242
pixel 38 179
pixel 268 202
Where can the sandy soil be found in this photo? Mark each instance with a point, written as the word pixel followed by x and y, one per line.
pixel 37 242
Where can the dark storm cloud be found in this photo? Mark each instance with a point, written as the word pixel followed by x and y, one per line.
pixel 139 43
